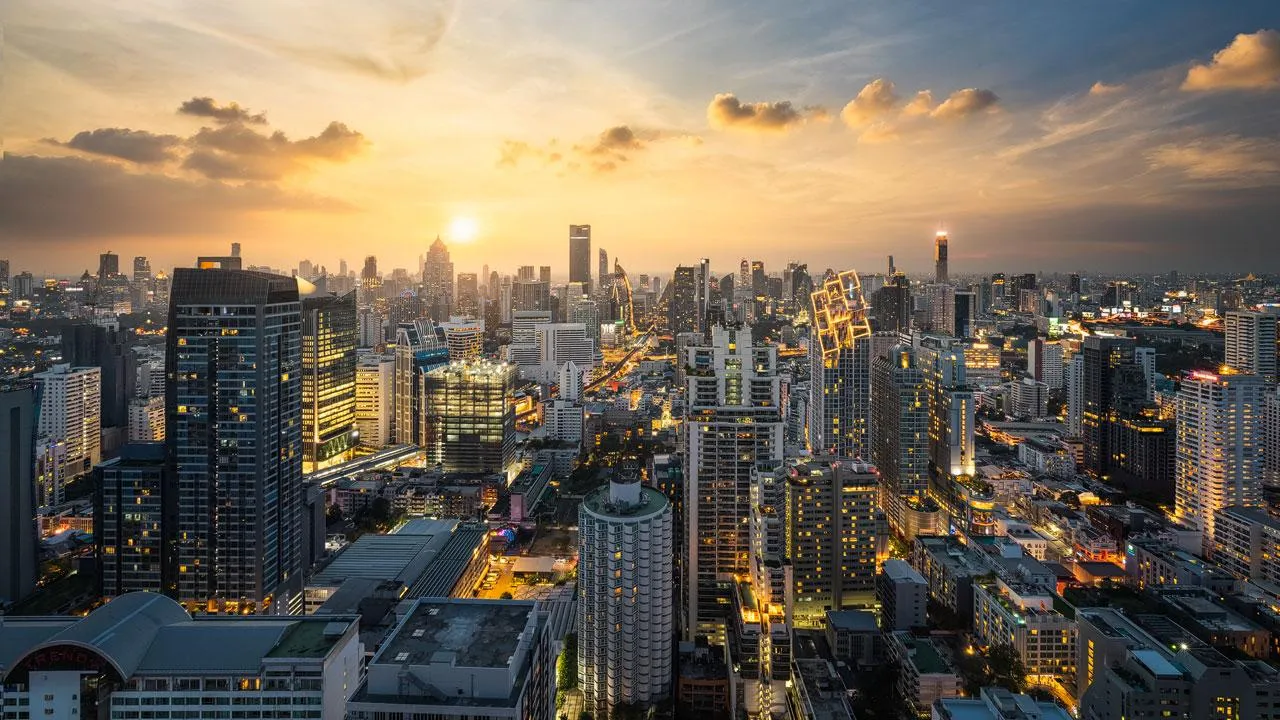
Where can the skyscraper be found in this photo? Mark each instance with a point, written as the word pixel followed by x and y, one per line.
pixel 1074 382
pixel 939 309
pixel 1044 362
pixel 733 425
pixel 70 410
pixel 1103 357
pixel 234 442
pixel 18 548
pixel 1220 447
pixel 329 339
pixel 952 450
pixel 1251 342
pixel 940 258
pixel 464 337
pixel 437 281
pixel 417 351
pixel 141 269
pixel 900 421
pixel 682 309
pixel 133 525
pixel 891 305
pixel 467 416
pixel 111 351
pixel 605 278
pixel 375 399
pixel 965 316
pixel 841 349
pixel 108 265
pixel 468 297
pixel 626 591
pixel 830 528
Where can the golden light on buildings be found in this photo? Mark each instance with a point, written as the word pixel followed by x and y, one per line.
pixel 840 313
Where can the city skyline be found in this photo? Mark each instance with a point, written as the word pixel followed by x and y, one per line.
pixel 1065 140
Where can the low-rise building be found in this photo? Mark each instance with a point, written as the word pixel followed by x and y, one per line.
pixel 451 658
pixel 998 704
pixel 949 567
pixel 924 676
pixel 142 653
pixel 1153 561
pixel 1023 616
pixel 852 636
pixel 1247 543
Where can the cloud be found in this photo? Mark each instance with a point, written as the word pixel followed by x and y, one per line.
pixel 237 152
pixel 229 113
pixel 875 99
pixel 607 152
pixel 1101 88
pixel 921 104
pixel 1230 160
pixel 137 146
pixel 71 197
pixel 965 103
pixel 1250 62
pixel 727 111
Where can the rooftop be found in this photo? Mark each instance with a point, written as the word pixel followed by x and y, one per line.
pixel 853 620
pixel 465 633
pixel 901 570
pixel 924 654
pixel 400 556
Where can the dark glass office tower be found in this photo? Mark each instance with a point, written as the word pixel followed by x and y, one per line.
pixel 234 410
pixel 329 338
pixel 682 313
pixel 18 564
pixel 133 526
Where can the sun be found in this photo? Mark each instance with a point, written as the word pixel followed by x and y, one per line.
pixel 463 229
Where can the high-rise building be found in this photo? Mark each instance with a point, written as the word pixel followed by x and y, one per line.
pixel 1220 445
pixel 604 278
pixel 1103 357
pixel 108 265
pixel 18 548
pixel 146 419
pixel 952 450
pixel 830 529
pixel 572 382
pixel 329 342
pixel 841 349
pixel 941 274
pixel 1075 395
pixel 1044 362
pixel 530 295
pixel 437 281
pixel 586 311
pixel 141 269
pixel 891 305
pixel 939 309
pixel 1251 342
pixel 580 255
pixel 234 415
pixel 464 336
pixel 467 416
pixel 900 451
pixel 468 296
pixel 70 410
pixel 682 310
pixel 559 343
pixel 733 425
pixel 375 399
pixel 109 350
pixel 965 315
pixel 417 351
pixel 563 420
pixel 133 524
pixel 626 595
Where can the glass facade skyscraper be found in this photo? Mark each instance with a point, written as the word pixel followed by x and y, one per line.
pixel 328 380
pixel 467 416
pixel 234 411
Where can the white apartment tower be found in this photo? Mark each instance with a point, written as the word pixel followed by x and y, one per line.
pixel 1220 445
pixel 626 587
pixel 71 410
pixel 1251 342
pixel 733 425
pixel 375 399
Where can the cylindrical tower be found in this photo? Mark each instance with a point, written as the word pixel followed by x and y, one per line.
pixel 626 585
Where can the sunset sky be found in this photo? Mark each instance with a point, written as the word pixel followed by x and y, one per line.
pixel 1093 135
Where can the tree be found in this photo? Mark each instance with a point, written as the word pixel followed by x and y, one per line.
pixel 1006 668
pixel 333 515
pixel 505 596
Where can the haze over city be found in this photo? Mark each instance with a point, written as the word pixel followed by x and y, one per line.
pixel 1058 136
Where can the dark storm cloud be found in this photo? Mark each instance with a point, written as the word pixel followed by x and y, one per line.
pixel 138 146
pixel 71 197
pixel 230 113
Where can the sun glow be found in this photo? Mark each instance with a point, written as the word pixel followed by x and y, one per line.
pixel 463 229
